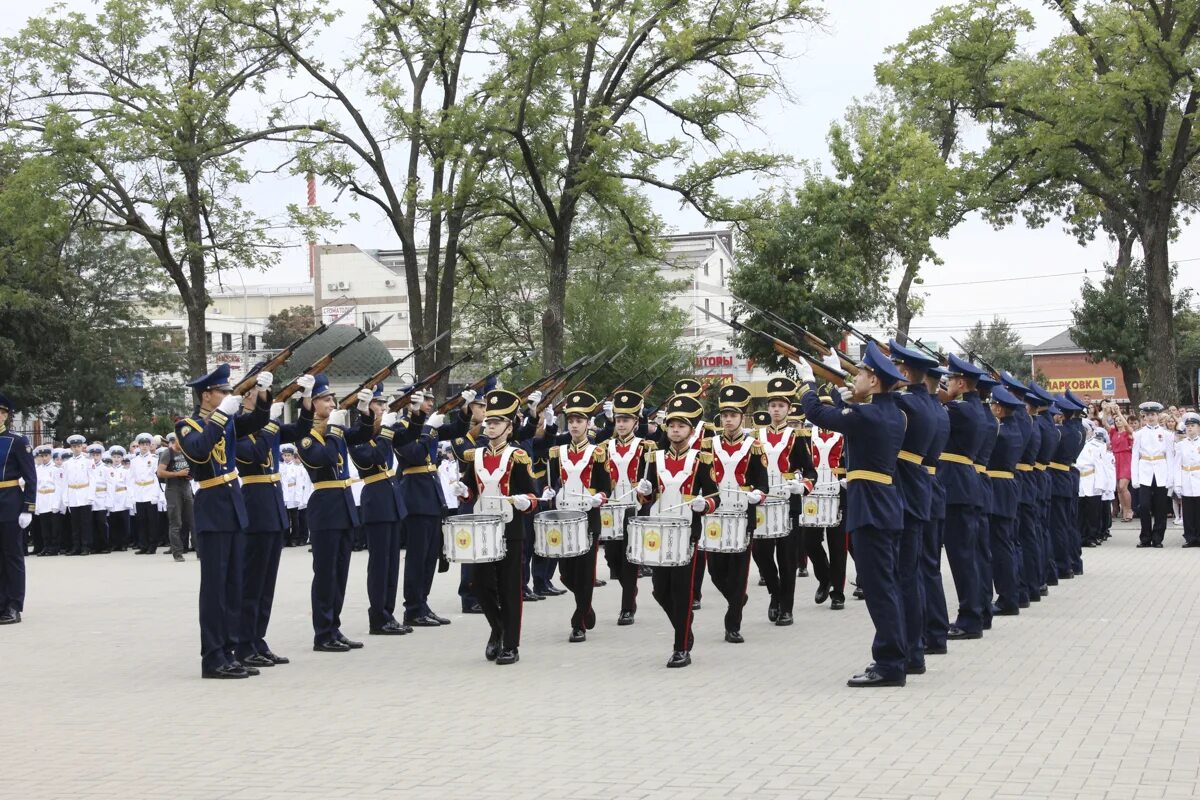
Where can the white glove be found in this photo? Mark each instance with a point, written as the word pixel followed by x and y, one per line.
pixel 596 500
pixel 230 405
pixel 842 482
pixel 804 372
pixel 795 487
pixel 659 418
pixel 547 494
pixel 608 408
pixel 276 410
pixel 832 361
pixel 699 505
pixel 306 384
pixel 468 396
pixel 461 489
pixel 754 496
pixel 520 502
pixel 263 380
pixel 846 392
pixel 548 416
pixel 535 397
pixel 24 519
pixel 390 419
pixel 364 401
pixel 645 488
pixel 337 417
pixel 435 420
pixel 414 404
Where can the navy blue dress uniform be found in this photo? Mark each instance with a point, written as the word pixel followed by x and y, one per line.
pixel 922 412
pixel 1048 444
pixel 1064 492
pixel 18 496
pixel 209 441
pixel 1072 407
pixel 576 469
pixel 1029 553
pixel 1004 503
pixel 874 512
pixel 674 587
pixel 937 616
pixel 259 458
pixel 983 559
pixel 958 476
pixel 332 516
pixel 497 585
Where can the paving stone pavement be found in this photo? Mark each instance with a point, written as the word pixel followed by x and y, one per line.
pixel 1090 694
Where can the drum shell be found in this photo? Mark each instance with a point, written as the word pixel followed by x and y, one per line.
pixel 774 519
pixel 725 533
pixel 473 538
pixel 659 541
pixel 821 511
pixel 561 534
pixel 612 520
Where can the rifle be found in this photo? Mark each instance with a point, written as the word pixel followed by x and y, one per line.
pixel 456 401
pixel 637 375
pixel 373 381
pixel 320 365
pixel 646 389
pixel 583 381
pixel 846 326
pixel 558 386
pixel 398 402
pixel 822 347
pixel 551 377
pixel 976 357
pixel 788 351
pixel 276 361
pixel 924 348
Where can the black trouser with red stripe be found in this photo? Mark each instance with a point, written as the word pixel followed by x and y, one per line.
pixel 624 571
pixel 673 591
pixel 828 570
pixel 777 560
pixel 579 576
pixel 730 572
pixel 497 587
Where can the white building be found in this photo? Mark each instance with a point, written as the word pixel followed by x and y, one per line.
pixel 371 284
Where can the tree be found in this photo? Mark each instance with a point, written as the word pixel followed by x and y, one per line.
pixel 574 96
pixel 999 344
pixel 287 326
pixel 136 105
pixel 1101 120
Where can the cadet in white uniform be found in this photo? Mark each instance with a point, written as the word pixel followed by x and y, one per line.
pixel 1152 465
pixel 1187 478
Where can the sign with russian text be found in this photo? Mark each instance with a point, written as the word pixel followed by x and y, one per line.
pixel 1102 385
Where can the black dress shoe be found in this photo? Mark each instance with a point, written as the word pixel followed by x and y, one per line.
pixel 492 650
pixel 871 678
pixel 679 659
pixel 859 594
pixel 914 669
pixel 1185 544
pixel 508 656
pixel 599 582
pixel 626 618
pixel 473 609
pixel 1158 544
pixel 734 637
pixel 957 633
pixel 1000 611
pixel 349 643
pixel 1143 544
pixel 248 669
pixel 837 604
pixel 10 617
pixel 1052 581
pixel 257 660
pixel 424 621
pixel 226 672
pixel 528 596
pixel 762 581
pixel 695 605
pixel 332 646
pixel 822 595
pixel 936 651
pixel 548 589
pixel 1066 576
pixel 441 620
pixel 1036 597
pixel 802 572
pixel 276 659
pixel 1043 590
pixel 1023 604
pixel 179 557
pixel 773 611
pixel 389 628
pixel 785 619
pixel 577 635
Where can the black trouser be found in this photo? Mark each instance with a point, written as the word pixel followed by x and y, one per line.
pixel 35 536
pixel 292 534
pixel 623 570
pixel 220 595
pixel 100 531
pixel 876 556
pixel 331 570
pixel 673 591
pixel 81 529
pixel 1005 566
pixel 1191 518
pixel 730 573
pixel 936 615
pixel 1091 510
pixel 147 526
pixel 911 586
pixel 579 576
pixel 1155 506
pixel 423 545
pixel 497 588
pixel 828 570
pixel 118 528
pixel 260 569
pixel 701 560
pixel 777 561
pixel 12 567
pixel 383 571
pixel 47 529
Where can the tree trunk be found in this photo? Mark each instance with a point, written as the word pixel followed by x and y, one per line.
pixel 193 235
pixel 1160 383
pixel 554 317
pixel 1133 379
pixel 904 314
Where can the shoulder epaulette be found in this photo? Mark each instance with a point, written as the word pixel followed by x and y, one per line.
pixel 705 458
pixel 706 444
pixel 521 457
pixel 649 446
pixel 600 454
pixel 469 455
pixel 756 448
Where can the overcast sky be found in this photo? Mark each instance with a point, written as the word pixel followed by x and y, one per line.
pixel 831 68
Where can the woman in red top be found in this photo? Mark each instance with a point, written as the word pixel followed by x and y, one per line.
pixel 1122 447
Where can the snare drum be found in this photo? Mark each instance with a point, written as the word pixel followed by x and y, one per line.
pixel 473 538
pixel 561 534
pixel 725 533
pixel 612 520
pixel 772 521
pixel 659 541
pixel 821 511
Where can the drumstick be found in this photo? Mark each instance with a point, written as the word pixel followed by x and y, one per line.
pixel 689 502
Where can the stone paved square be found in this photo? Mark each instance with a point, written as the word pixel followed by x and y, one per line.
pixel 1092 694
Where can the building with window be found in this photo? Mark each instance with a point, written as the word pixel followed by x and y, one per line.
pixel 1065 365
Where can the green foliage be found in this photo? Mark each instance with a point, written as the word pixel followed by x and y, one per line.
pixel 287 326
pixel 999 344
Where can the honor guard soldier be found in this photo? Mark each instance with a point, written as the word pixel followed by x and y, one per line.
pixel 1153 462
pixel 209 440
pixel 922 412
pixel 497 480
pixel 874 434
pixel 789 476
pixel 628 458
pixel 958 476
pixel 1004 502
pixel 78 472
pixel 1064 491
pixel 18 501
pixel 679 484
pixel 983 557
pixel 1048 443
pixel 739 469
pixel 1187 478
pixel 1028 547
pixel 579 481
pixel 259 458
pixel 332 514
pixel 937 617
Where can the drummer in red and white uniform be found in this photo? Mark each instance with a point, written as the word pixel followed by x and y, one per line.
pixel 679 484
pixel 789 477
pixel 628 457
pixel 578 480
pixel 740 471
pixel 496 478
pixel 829 465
